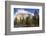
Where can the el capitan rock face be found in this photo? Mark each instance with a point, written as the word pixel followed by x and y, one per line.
pixel 22 18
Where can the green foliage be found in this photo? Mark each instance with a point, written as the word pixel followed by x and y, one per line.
pixel 35 20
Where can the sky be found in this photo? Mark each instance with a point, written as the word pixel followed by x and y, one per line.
pixel 25 9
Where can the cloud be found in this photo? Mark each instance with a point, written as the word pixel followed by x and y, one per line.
pixel 23 11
